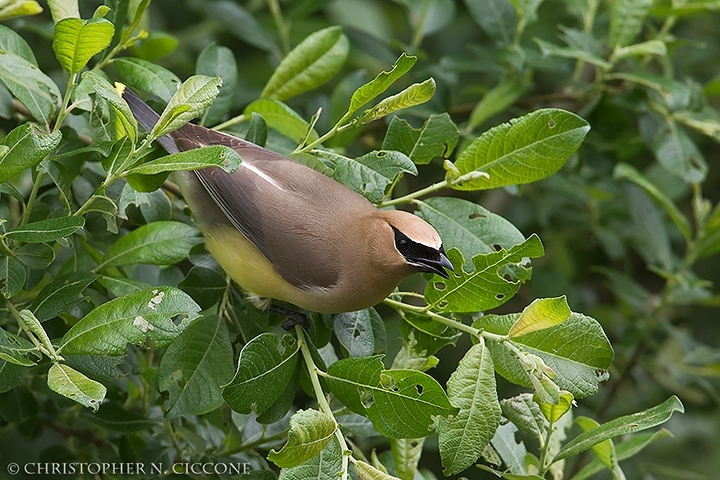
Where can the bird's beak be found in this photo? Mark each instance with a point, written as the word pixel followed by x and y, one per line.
pixel 437 266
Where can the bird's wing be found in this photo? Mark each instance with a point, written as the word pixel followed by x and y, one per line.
pixel 268 199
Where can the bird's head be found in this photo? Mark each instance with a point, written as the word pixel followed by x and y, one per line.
pixel 415 243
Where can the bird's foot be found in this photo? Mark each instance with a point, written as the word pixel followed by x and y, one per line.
pixel 293 318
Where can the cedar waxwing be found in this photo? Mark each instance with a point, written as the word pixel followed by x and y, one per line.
pixel 283 231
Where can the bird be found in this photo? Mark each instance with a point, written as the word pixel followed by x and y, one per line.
pixel 283 231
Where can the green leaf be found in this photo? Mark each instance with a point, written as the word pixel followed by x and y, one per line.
pixel 577 351
pixel 194 367
pixel 103 88
pixel 282 118
pixel 257 130
pixel 468 227
pixel 554 411
pixel 623 171
pixel 19 8
pixel 72 384
pixel 143 75
pixel 415 94
pixel 35 90
pixel 650 233
pixel 380 83
pixel 676 151
pixel 485 286
pixel 10 375
pixel 312 63
pixel 157 243
pixel 428 334
pixel 365 471
pixel 133 319
pixel 216 61
pixel 624 450
pixel 621 426
pixel 191 99
pixel 242 24
pixel 325 466
pixel 265 368
pixel 496 17
pixel 310 432
pixel 12 42
pixel 214 156
pixel 651 47
pixel 14 349
pixel 400 403
pixel 36 256
pixel 61 9
pixel 551 50
pixel 354 331
pixel 512 453
pixel 121 286
pixel 371 174
pixel 47 230
pixel 156 46
pixel 496 100
pixel 12 276
pixel 525 414
pixel 26 147
pixel 436 138
pixel 525 150
pixel 472 389
pixel 76 41
pixel 626 20
pixel 112 417
pixel 605 450
pixel 59 294
pixel 541 313
pixel 205 285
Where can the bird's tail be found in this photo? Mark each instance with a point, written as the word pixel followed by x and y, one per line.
pixel 145 115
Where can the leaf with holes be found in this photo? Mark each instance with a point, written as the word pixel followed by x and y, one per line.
pixel 526 149
pixel 132 319
pixel 577 350
pixel 484 287
pixel 371 174
pixel 72 384
pixel 400 403
pixel 265 368
pixel 468 227
pixel 436 138
pixel 354 330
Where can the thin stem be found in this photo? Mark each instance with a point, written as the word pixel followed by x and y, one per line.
pixel 229 123
pixel 72 82
pixel 418 27
pixel 282 27
pixel 474 175
pixel 546 449
pixel 437 317
pixel 333 131
pixel 322 401
pixel 28 333
pixel 33 196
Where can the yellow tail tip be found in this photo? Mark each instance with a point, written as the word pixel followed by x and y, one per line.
pixel 120 88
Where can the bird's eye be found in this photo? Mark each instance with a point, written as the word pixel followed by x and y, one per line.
pixel 402 245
